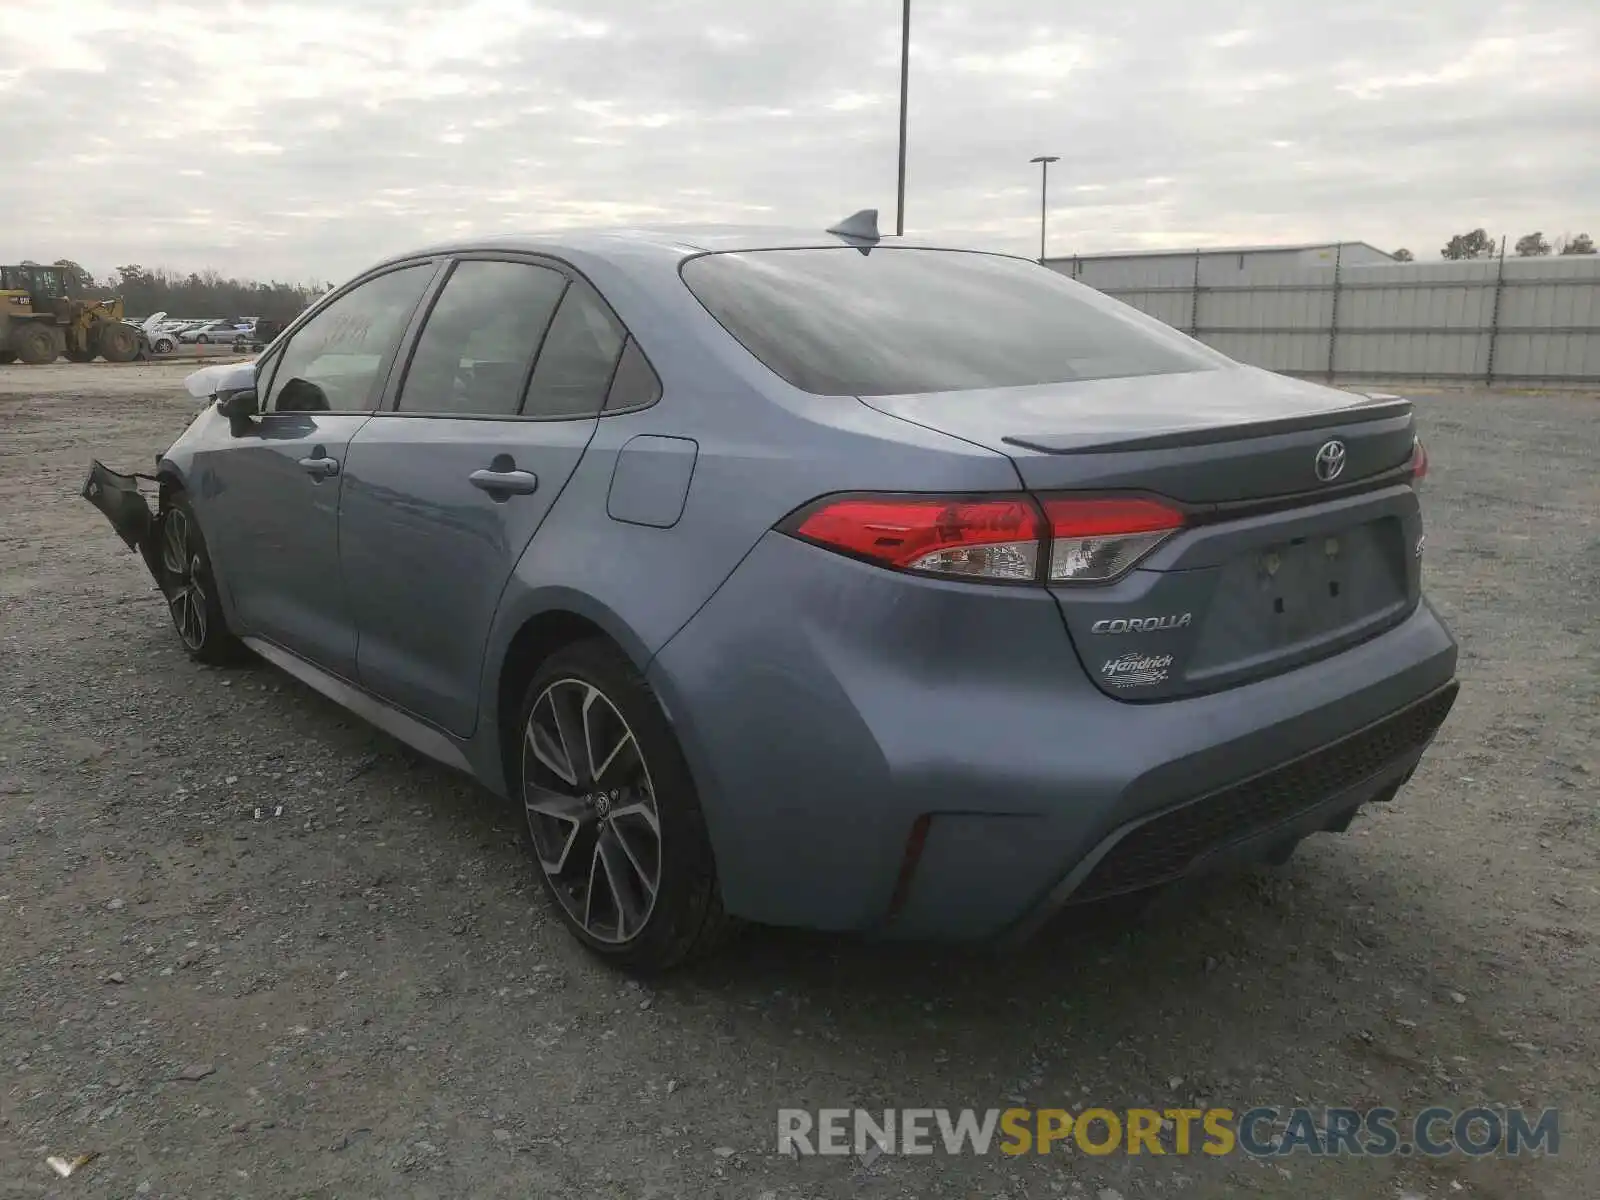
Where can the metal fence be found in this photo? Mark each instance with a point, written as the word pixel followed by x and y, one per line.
pixel 1511 321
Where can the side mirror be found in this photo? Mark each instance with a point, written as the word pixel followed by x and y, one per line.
pixel 237 406
pixel 240 408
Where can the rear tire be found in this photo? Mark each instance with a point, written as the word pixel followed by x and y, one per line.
pixel 190 588
pixel 203 340
pixel 35 344
pixel 613 820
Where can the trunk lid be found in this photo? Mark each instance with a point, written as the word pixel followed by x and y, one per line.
pixel 1202 437
pixel 1278 565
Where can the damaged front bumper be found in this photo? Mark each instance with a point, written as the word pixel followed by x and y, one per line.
pixel 126 506
pixel 138 512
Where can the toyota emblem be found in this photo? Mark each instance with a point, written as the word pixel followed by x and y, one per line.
pixel 1330 460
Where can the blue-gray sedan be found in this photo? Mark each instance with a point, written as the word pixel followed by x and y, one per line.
pixel 813 578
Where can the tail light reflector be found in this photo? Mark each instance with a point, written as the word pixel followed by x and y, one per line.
pixel 1096 539
pixel 969 538
pixel 999 539
pixel 1419 461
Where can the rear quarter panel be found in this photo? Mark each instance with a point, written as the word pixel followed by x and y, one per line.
pixel 763 449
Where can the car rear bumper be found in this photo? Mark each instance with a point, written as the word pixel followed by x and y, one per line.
pixel 881 752
pixel 1258 819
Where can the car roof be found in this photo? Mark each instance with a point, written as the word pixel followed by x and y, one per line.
pixel 672 242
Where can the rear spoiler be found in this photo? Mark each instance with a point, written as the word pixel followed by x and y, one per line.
pixel 1377 409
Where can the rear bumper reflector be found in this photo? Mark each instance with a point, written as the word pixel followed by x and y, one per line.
pixel 915 841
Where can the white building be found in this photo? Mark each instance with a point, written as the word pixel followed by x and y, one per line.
pixel 1216 265
pixel 1521 321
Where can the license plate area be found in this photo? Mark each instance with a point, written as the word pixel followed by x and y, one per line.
pixel 1305 584
pixel 1293 592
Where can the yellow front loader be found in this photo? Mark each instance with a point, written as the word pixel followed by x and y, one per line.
pixel 39 322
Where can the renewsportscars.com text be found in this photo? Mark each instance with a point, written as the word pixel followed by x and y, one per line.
pixel 1257 1132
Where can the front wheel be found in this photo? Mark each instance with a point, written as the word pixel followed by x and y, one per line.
pixel 118 343
pixel 203 340
pixel 190 588
pixel 612 813
pixel 163 346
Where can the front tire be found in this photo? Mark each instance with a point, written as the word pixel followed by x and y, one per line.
pixel 118 343
pixel 203 340
pixel 163 345
pixel 190 588
pixel 613 819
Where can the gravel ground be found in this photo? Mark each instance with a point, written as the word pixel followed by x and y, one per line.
pixel 251 947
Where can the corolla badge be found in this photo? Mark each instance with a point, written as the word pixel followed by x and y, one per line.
pixel 1330 460
pixel 1142 624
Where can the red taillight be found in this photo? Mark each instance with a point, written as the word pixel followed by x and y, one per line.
pixel 1419 461
pixel 1093 540
pixel 970 538
pixel 1100 516
pixel 1077 540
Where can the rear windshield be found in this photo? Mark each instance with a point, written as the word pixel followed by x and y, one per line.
pixel 836 322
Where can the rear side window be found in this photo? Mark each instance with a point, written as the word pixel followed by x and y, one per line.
pixel 578 358
pixel 635 384
pixel 474 353
pixel 837 322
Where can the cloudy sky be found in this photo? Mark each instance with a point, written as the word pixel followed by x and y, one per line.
pixel 300 140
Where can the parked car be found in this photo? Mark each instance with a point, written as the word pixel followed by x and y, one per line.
pixel 264 332
pixel 158 334
pixel 222 332
pixel 814 579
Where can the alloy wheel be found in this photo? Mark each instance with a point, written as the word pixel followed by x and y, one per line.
pixel 592 810
pixel 186 595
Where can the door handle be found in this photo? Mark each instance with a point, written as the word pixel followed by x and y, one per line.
pixel 320 468
pixel 520 483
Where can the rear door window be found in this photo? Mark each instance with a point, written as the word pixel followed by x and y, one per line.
pixel 475 351
pixel 835 321
pixel 578 358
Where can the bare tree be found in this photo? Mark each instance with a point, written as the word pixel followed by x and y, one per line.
pixel 209 294
pixel 1404 255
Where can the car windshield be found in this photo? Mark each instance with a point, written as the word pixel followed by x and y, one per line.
pixel 838 322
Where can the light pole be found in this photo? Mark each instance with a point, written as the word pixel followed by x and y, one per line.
pixel 905 66
pixel 1044 161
